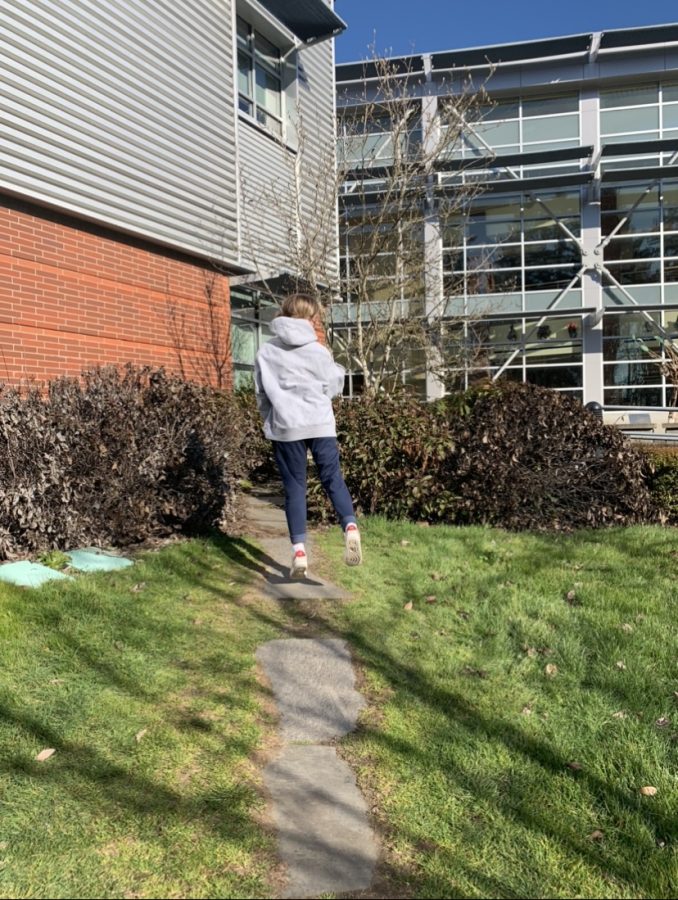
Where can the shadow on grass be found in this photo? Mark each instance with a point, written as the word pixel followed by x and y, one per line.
pixel 513 802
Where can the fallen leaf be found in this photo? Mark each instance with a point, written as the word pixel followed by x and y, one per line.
pixel 530 651
pixel 596 836
pixel 571 597
pixel 405 543
pixel 409 605
pixel 526 711
pixel 45 754
pixel 138 587
pixel 423 524
pixel 464 614
pixel 575 766
pixel 627 628
pixel 57 681
pixel 648 791
pixel 140 735
pixel 431 598
pixel 436 576
pixel 620 664
pixel 551 670
pixel 473 672
pixel 118 645
pixel 619 715
pixel 662 722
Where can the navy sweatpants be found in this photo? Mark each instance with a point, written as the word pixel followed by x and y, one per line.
pixel 291 459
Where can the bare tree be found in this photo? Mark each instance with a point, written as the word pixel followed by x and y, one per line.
pixel 388 304
pixel 202 339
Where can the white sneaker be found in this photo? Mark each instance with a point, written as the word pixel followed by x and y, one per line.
pixel 299 564
pixel 353 554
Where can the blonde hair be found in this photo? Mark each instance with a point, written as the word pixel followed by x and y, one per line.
pixel 300 306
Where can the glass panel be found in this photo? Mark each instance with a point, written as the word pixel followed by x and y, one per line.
pixel 480 232
pixel 544 106
pixel 630 348
pixel 495 133
pixel 671 270
pixel 245 105
pixel 629 324
pixel 670 93
pixel 671 245
pixel 546 229
pixel 492 282
pixel 244 74
pixel 634 397
pixel 641 119
pixel 269 122
pixel 552 253
pixel 645 373
pixel 499 257
pixel 636 273
pixel 555 376
pixel 624 197
pixel 670 116
pixel 268 91
pixel 639 221
pixel 565 203
pixel 629 96
pixel 633 248
pixel 504 110
pixel 267 54
pixel 550 129
pixel 243 343
pixel 537 279
pixel 243 33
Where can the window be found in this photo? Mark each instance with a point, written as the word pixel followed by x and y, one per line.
pixel 260 89
pixel 251 315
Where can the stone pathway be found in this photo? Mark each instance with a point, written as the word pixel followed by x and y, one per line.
pixel 266 519
pixel 324 836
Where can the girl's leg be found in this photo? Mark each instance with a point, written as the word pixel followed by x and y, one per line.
pixel 290 457
pixel 326 456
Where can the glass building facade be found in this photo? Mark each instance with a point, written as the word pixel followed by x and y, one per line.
pixel 565 264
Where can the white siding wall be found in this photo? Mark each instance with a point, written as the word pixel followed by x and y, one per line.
pixel 123 112
pixel 267 167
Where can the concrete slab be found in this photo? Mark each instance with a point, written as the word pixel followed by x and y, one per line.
pixel 314 687
pixel 323 832
pixel 275 571
pixel 92 559
pixel 29 574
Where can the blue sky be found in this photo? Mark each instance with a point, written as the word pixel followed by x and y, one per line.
pixel 410 26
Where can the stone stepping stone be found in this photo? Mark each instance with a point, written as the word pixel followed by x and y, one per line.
pixel 274 566
pixel 29 574
pixel 324 836
pixel 92 559
pixel 314 687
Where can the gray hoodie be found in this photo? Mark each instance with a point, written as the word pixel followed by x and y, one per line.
pixel 295 379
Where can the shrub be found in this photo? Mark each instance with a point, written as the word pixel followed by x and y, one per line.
pixel 393 448
pixel 664 481
pixel 116 457
pixel 527 457
pixel 512 455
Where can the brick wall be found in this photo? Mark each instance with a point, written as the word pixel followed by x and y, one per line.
pixel 74 295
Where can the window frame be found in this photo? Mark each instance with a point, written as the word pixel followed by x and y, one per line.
pixel 248 103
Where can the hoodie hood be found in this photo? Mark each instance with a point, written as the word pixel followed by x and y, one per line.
pixel 295 332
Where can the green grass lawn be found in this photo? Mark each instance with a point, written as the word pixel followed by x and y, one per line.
pixel 143 682
pixel 491 775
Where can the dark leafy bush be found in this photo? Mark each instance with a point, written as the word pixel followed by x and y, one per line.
pixel 664 481
pixel 512 455
pixel 527 457
pixel 393 448
pixel 116 457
